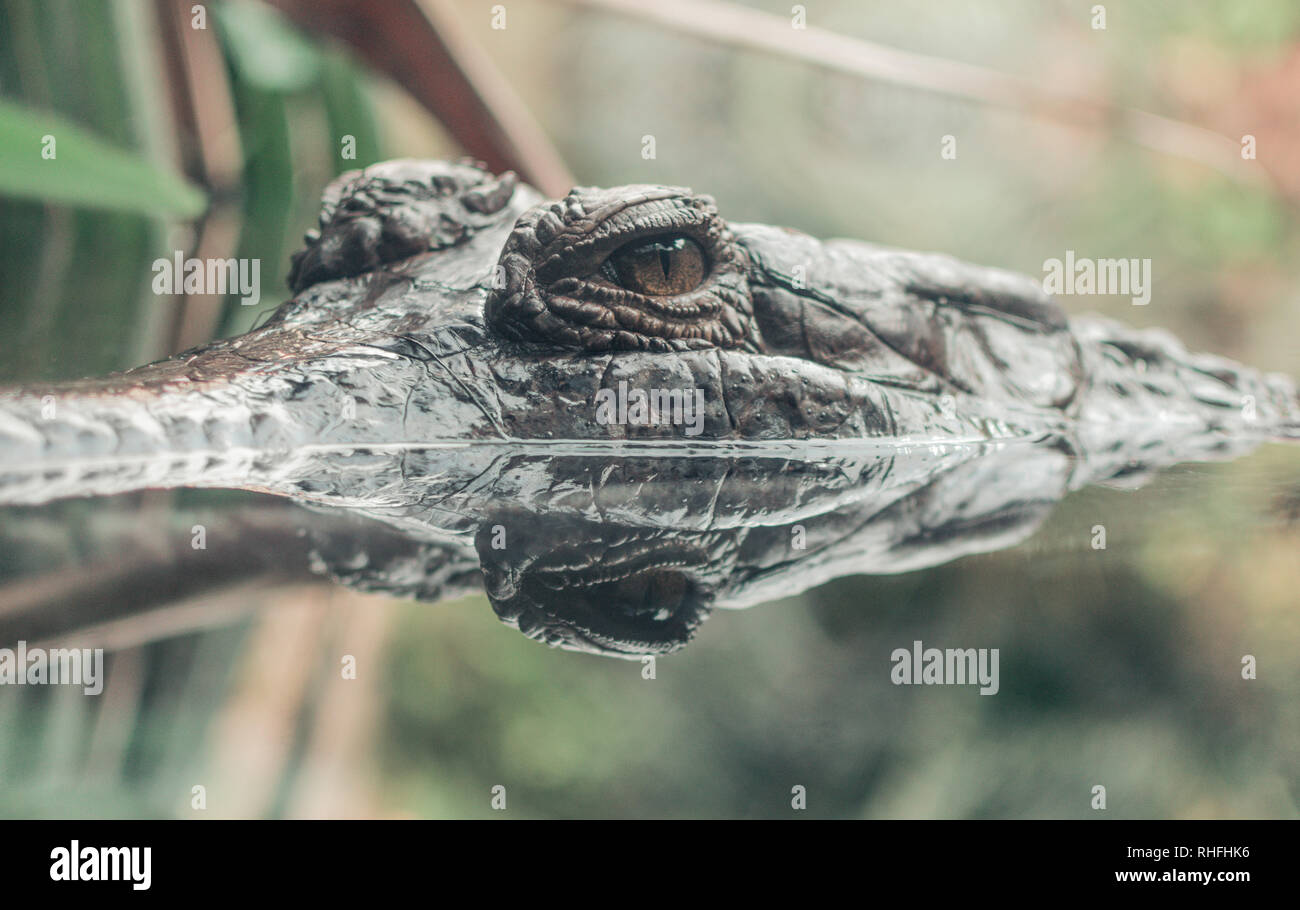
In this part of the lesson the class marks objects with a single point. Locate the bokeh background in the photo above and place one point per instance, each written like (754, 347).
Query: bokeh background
(1119, 667)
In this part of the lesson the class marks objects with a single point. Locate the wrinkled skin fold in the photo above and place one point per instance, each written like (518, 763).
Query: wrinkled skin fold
(448, 322)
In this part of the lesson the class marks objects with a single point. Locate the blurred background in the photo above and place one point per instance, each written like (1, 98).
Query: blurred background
(1119, 667)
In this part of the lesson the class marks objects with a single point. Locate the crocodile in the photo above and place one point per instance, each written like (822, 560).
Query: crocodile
(447, 364)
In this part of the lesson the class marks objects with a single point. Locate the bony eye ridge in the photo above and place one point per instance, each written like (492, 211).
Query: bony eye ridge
(657, 267)
(634, 268)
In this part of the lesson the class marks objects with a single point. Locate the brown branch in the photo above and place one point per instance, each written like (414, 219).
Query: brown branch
(204, 111)
(424, 48)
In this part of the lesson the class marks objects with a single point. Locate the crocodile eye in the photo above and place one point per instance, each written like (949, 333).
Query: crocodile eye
(661, 267)
(633, 268)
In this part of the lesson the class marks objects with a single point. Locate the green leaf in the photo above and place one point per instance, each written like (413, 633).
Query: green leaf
(84, 169)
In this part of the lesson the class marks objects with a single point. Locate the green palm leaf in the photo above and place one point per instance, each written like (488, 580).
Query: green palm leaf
(45, 157)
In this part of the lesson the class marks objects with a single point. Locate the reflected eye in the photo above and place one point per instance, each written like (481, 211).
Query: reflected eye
(661, 267)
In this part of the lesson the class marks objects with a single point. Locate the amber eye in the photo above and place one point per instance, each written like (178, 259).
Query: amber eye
(660, 267)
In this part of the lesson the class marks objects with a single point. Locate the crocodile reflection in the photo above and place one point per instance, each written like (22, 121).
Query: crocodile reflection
(629, 556)
(624, 554)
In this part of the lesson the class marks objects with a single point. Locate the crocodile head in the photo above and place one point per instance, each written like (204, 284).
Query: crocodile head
(438, 303)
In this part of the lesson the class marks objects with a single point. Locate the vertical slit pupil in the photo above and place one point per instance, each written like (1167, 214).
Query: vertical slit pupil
(681, 266)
